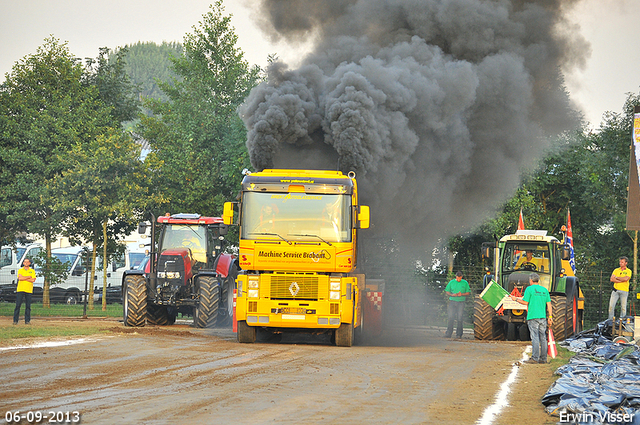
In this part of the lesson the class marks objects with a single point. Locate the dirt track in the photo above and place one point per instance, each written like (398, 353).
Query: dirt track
(179, 374)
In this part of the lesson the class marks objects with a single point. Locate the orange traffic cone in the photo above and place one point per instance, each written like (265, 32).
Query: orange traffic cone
(552, 350)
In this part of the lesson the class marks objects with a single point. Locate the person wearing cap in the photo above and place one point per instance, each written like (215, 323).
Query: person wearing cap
(457, 290)
(620, 278)
(26, 277)
(536, 298)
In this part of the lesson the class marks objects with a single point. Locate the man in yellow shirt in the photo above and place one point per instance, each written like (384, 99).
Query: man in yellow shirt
(26, 277)
(620, 278)
(527, 262)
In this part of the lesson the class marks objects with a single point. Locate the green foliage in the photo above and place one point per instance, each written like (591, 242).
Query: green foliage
(104, 181)
(108, 74)
(196, 136)
(51, 268)
(45, 108)
(148, 63)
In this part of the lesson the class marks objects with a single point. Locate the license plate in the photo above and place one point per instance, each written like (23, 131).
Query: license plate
(293, 310)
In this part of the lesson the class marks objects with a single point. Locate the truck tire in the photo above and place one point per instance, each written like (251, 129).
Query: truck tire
(72, 297)
(523, 332)
(484, 327)
(135, 301)
(246, 334)
(205, 314)
(562, 325)
(344, 335)
(512, 329)
(159, 315)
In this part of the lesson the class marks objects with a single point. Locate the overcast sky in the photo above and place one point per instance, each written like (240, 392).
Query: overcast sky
(612, 71)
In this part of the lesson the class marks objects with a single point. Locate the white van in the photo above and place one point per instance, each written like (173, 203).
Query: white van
(73, 287)
(11, 260)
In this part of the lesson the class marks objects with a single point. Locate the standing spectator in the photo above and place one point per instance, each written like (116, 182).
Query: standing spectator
(536, 297)
(26, 277)
(457, 289)
(620, 278)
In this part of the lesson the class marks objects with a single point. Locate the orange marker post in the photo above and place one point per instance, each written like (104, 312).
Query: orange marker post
(235, 323)
(552, 350)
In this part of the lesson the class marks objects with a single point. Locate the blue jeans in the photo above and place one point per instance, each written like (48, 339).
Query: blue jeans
(27, 307)
(455, 311)
(615, 295)
(538, 332)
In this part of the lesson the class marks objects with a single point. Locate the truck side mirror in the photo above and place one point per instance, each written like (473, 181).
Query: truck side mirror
(364, 217)
(487, 248)
(142, 228)
(227, 215)
(223, 229)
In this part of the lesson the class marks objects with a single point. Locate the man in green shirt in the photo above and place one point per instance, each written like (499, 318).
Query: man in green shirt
(536, 298)
(457, 289)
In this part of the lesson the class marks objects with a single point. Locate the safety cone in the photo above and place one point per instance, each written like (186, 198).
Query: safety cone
(552, 350)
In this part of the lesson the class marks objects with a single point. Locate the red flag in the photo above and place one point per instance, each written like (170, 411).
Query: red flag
(521, 221)
(552, 350)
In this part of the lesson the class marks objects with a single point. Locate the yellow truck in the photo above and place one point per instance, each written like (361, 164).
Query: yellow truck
(298, 254)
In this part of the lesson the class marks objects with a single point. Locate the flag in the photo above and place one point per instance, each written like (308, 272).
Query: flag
(569, 240)
(521, 221)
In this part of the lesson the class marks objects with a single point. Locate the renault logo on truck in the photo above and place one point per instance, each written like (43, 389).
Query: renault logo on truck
(294, 288)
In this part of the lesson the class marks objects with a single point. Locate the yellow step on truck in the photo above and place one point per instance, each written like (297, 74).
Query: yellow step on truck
(298, 254)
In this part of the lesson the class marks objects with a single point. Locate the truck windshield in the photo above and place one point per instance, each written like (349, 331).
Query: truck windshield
(186, 236)
(296, 217)
(67, 259)
(526, 257)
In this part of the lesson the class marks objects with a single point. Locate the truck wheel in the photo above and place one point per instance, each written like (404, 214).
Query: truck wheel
(135, 301)
(523, 332)
(344, 335)
(246, 334)
(483, 326)
(72, 297)
(159, 315)
(205, 314)
(562, 317)
(511, 331)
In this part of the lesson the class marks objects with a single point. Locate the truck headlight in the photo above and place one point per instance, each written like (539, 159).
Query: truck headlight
(334, 295)
(252, 293)
(253, 284)
(334, 285)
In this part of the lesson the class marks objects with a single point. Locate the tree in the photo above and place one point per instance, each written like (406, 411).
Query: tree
(197, 135)
(45, 108)
(148, 63)
(108, 75)
(103, 193)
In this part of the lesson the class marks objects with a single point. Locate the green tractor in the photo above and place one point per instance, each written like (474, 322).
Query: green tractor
(515, 257)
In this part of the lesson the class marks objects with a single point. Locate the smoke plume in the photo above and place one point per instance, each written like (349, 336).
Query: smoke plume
(438, 105)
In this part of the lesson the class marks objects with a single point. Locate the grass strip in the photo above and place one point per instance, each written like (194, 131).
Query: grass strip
(62, 310)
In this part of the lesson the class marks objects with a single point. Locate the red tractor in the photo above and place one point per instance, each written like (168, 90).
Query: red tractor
(188, 273)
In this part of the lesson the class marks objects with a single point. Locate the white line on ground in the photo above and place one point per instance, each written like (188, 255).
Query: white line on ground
(47, 344)
(491, 412)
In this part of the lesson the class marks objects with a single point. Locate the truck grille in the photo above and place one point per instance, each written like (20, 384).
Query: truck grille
(294, 287)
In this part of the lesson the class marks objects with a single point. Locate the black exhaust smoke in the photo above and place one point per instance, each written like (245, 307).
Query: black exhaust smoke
(438, 105)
